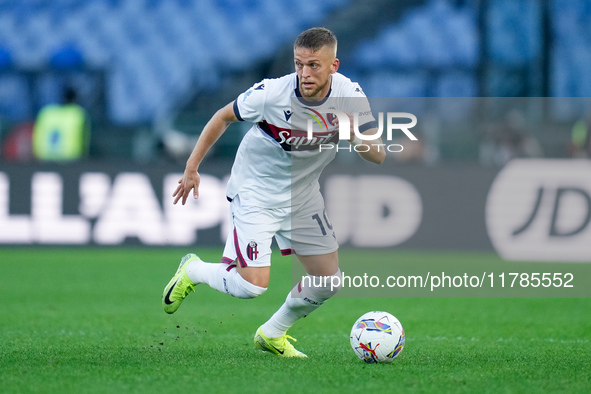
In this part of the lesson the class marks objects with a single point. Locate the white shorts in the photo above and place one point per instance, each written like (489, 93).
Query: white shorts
(304, 230)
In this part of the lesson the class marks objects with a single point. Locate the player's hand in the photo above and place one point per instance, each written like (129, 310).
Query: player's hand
(189, 181)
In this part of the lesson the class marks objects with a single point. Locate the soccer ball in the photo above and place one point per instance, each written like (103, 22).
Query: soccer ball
(377, 337)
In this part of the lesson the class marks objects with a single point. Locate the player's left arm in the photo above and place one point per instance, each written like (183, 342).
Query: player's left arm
(376, 153)
(373, 149)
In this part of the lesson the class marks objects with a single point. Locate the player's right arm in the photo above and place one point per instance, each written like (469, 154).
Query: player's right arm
(212, 131)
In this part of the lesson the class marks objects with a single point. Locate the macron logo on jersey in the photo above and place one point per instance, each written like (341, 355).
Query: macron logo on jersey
(287, 114)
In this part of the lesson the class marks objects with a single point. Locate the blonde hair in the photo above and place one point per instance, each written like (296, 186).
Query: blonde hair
(315, 38)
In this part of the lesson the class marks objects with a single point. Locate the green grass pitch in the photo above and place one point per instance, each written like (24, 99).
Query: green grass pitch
(89, 320)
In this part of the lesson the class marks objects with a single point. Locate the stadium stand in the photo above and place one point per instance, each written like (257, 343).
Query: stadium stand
(572, 48)
(156, 52)
(161, 57)
(434, 38)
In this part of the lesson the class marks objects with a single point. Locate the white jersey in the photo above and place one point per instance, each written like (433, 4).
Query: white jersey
(276, 164)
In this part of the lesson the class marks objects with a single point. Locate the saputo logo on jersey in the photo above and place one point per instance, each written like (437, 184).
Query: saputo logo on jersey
(541, 210)
(364, 141)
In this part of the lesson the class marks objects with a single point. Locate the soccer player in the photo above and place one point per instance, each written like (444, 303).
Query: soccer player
(273, 188)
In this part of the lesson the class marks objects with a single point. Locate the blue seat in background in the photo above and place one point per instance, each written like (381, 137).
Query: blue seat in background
(67, 57)
(179, 42)
(211, 38)
(5, 58)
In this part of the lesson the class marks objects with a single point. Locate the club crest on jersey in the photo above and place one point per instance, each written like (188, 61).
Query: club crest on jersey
(252, 250)
(332, 119)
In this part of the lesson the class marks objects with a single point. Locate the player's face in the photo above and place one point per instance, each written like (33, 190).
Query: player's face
(314, 69)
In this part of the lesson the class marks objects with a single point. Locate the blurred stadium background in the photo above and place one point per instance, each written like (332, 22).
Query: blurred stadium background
(501, 91)
(145, 67)
(489, 80)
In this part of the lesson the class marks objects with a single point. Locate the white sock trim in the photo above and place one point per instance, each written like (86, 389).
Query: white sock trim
(249, 289)
(298, 305)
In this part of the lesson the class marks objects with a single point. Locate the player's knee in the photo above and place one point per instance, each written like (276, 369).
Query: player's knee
(324, 287)
(249, 290)
(257, 276)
